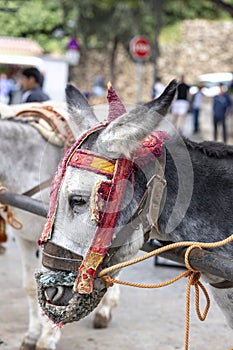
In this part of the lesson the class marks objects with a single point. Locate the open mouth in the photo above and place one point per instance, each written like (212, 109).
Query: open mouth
(58, 300)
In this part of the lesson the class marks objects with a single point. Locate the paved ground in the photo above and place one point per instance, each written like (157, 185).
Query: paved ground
(145, 319)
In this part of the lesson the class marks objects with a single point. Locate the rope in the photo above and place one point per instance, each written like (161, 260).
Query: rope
(192, 274)
(164, 249)
(10, 218)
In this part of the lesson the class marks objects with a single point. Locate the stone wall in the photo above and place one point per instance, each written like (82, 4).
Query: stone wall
(206, 46)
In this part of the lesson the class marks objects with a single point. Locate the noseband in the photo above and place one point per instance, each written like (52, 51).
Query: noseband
(108, 198)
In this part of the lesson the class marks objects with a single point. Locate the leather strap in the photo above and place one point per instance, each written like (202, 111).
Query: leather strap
(158, 185)
(54, 119)
(38, 188)
(222, 285)
(63, 260)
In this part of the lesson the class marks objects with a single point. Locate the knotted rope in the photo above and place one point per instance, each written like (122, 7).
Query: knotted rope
(192, 274)
(10, 218)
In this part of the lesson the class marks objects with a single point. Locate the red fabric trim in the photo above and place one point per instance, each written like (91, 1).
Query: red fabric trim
(57, 182)
(150, 148)
(83, 159)
(106, 227)
(116, 107)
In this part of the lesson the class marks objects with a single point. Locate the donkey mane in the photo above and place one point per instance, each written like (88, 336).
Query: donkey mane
(211, 149)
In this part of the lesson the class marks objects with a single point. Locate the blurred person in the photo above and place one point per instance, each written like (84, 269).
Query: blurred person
(87, 94)
(99, 86)
(196, 102)
(31, 84)
(6, 87)
(180, 106)
(158, 88)
(230, 91)
(221, 107)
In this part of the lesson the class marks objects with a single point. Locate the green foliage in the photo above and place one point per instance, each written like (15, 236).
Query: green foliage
(189, 9)
(98, 23)
(35, 19)
(171, 34)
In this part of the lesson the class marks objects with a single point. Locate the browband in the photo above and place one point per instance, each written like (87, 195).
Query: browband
(90, 161)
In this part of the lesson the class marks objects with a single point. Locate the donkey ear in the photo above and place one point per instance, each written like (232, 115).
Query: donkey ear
(123, 135)
(81, 115)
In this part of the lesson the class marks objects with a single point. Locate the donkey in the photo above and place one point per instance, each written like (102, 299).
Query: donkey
(28, 159)
(102, 204)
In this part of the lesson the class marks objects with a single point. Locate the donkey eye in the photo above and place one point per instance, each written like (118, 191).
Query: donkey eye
(77, 201)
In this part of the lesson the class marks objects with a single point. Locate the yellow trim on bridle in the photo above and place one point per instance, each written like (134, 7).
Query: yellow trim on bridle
(102, 165)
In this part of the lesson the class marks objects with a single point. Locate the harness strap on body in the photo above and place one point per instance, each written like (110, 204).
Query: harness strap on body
(222, 285)
(158, 184)
(50, 123)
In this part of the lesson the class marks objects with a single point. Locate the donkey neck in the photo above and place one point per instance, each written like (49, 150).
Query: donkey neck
(199, 199)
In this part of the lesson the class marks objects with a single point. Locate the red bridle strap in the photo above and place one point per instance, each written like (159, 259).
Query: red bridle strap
(90, 161)
(105, 230)
(57, 183)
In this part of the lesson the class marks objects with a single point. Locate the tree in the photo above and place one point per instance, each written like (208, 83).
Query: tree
(101, 24)
(226, 6)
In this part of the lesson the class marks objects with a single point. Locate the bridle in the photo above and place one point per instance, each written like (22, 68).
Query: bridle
(108, 200)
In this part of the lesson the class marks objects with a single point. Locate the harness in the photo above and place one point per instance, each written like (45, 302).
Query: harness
(106, 201)
(50, 123)
(53, 126)
(104, 196)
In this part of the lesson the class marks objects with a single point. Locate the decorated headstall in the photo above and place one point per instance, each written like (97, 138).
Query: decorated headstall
(108, 195)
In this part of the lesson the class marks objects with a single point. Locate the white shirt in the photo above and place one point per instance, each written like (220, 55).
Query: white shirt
(158, 89)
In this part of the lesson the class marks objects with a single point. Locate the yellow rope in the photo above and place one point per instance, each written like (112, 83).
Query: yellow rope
(193, 276)
(10, 218)
(164, 249)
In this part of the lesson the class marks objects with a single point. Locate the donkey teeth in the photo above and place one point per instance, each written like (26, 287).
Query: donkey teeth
(56, 294)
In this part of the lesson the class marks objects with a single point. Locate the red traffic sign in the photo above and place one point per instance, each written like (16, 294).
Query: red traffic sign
(140, 48)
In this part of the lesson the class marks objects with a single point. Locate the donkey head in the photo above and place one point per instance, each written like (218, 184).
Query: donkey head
(94, 200)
